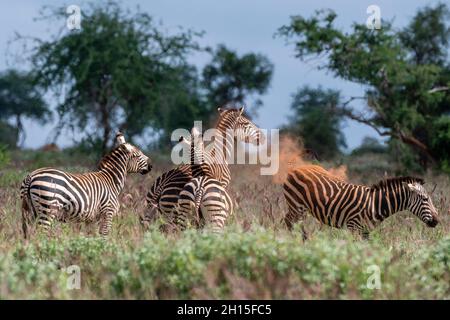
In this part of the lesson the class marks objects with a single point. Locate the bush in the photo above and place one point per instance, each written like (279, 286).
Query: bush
(255, 264)
(5, 157)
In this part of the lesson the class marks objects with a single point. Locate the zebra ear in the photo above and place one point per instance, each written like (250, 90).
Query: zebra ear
(220, 109)
(120, 139)
(413, 187)
(195, 132)
(197, 137)
(184, 141)
(128, 147)
(241, 110)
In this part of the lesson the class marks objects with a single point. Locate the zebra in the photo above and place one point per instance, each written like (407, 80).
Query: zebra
(336, 203)
(203, 199)
(48, 194)
(164, 193)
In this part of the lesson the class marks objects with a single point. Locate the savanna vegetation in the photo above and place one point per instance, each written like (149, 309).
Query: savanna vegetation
(140, 81)
(256, 257)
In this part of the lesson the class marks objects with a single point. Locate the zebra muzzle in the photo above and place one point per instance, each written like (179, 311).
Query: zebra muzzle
(147, 170)
(432, 223)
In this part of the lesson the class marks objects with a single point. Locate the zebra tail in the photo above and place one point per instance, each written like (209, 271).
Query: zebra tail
(197, 203)
(28, 211)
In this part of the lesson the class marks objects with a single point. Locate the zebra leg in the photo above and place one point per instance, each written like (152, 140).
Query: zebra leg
(216, 213)
(183, 213)
(187, 210)
(218, 222)
(356, 228)
(216, 218)
(150, 215)
(46, 218)
(106, 221)
(295, 213)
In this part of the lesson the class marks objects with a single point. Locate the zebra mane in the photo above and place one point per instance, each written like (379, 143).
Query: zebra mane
(389, 181)
(226, 114)
(111, 156)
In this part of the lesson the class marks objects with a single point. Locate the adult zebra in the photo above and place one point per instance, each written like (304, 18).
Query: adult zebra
(164, 192)
(337, 203)
(203, 200)
(48, 194)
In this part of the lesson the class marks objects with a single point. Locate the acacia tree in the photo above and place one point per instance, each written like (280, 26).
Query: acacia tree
(19, 99)
(229, 79)
(119, 71)
(405, 72)
(315, 121)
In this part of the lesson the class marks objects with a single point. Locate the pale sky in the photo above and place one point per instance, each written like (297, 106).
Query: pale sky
(242, 25)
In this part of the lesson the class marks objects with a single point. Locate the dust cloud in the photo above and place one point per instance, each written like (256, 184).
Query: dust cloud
(293, 154)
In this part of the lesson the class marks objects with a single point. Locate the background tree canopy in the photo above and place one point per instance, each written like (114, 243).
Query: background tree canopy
(120, 71)
(315, 121)
(19, 98)
(229, 78)
(405, 72)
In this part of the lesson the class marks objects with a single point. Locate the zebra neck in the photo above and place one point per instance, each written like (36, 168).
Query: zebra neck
(114, 168)
(387, 201)
(224, 140)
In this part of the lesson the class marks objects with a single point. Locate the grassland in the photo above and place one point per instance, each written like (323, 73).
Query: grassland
(256, 257)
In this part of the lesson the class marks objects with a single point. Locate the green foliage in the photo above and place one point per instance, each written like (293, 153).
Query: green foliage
(160, 267)
(404, 72)
(369, 145)
(315, 122)
(400, 153)
(182, 104)
(11, 178)
(416, 36)
(9, 135)
(120, 71)
(229, 78)
(5, 157)
(255, 257)
(19, 98)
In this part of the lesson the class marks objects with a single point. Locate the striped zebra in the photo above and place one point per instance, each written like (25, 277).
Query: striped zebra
(203, 200)
(165, 191)
(337, 203)
(49, 194)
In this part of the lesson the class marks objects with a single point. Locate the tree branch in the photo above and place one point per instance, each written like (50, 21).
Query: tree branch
(438, 89)
(395, 133)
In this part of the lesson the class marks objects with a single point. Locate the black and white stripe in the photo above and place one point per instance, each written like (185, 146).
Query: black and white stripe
(334, 202)
(49, 194)
(203, 200)
(164, 193)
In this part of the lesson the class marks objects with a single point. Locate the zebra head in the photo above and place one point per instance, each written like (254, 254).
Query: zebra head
(138, 162)
(244, 129)
(421, 205)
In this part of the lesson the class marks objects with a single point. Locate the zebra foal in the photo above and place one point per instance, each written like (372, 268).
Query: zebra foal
(49, 194)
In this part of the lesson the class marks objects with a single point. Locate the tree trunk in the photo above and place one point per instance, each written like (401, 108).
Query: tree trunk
(20, 130)
(105, 123)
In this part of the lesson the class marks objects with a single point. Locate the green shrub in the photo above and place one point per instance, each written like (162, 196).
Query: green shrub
(276, 265)
(5, 156)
